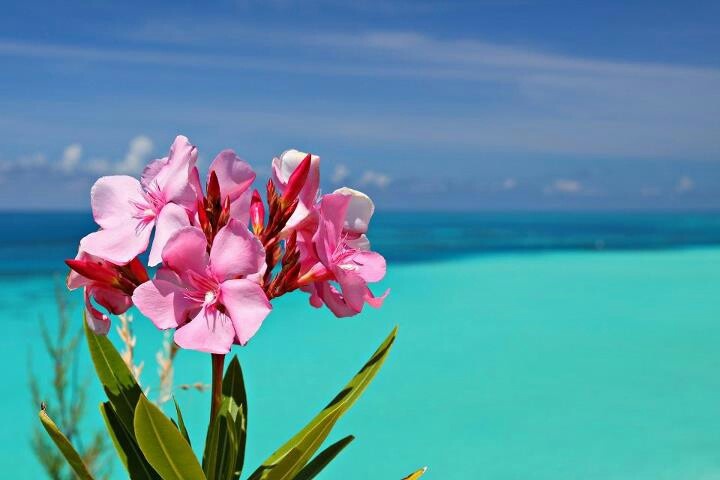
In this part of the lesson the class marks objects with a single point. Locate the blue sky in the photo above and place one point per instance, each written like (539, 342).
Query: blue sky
(445, 105)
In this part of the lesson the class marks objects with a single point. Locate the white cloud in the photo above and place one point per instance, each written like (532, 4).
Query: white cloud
(28, 162)
(374, 179)
(340, 173)
(99, 166)
(564, 186)
(138, 151)
(556, 103)
(509, 184)
(71, 157)
(685, 184)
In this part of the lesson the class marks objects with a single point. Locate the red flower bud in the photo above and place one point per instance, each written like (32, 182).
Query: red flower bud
(137, 270)
(213, 190)
(94, 271)
(257, 212)
(297, 180)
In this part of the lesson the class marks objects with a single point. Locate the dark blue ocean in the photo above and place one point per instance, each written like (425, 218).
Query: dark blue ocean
(38, 242)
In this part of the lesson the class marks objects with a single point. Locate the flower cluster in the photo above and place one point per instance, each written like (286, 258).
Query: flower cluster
(221, 252)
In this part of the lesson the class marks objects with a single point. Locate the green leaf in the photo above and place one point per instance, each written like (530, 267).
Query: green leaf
(128, 450)
(228, 440)
(181, 422)
(415, 475)
(233, 390)
(287, 461)
(163, 445)
(317, 464)
(65, 447)
(221, 449)
(119, 383)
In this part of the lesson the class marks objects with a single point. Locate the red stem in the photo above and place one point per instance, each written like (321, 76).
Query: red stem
(218, 363)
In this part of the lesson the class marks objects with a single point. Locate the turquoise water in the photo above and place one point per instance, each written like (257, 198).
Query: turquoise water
(566, 365)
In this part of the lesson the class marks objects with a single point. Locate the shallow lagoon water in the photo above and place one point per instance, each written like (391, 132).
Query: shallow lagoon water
(593, 365)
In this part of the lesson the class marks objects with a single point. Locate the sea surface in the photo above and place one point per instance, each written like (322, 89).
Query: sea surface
(531, 346)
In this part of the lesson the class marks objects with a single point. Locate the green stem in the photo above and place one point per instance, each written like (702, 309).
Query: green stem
(218, 363)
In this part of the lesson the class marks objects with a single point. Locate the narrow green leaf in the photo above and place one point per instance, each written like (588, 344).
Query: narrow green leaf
(163, 445)
(65, 447)
(417, 474)
(181, 422)
(227, 440)
(221, 448)
(128, 450)
(233, 390)
(287, 461)
(322, 459)
(119, 383)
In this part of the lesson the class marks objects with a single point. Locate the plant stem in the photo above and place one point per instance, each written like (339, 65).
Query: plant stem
(218, 363)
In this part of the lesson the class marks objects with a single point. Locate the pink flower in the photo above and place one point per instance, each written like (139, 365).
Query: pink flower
(127, 210)
(111, 286)
(283, 168)
(214, 300)
(340, 253)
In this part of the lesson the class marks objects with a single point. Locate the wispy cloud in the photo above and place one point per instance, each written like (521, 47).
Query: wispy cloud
(374, 179)
(340, 173)
(139, 150)
(509, 184)
(71, 157)
(555, 103)
(564, 186)
(685, 184)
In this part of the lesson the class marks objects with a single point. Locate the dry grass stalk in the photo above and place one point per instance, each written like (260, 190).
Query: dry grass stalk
(129, 340)
(65, 403)
(165, 358)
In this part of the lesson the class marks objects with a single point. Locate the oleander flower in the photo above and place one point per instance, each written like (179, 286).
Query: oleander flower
(282, 168)
(127, 210)
(213, 299)
(340, 253)
(110, 286)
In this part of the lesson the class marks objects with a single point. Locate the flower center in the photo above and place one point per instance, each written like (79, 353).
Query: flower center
(209, 297)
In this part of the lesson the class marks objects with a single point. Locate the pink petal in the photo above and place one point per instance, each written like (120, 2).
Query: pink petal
(359, 211)
(334, 300)
(210, 331)
(236, 252)
(186, 250)
(163, 302)
(173, 179)
(247, 306)
(151, 170)
(353, 288)
(97, 321)
(329, 232)
(371, 266)
(195, 185)
(373, 301)
(164, 273)
(171, 219)
(113, 200)
(115, 301)
(120, 244)
(361, 242)
(234, 177)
